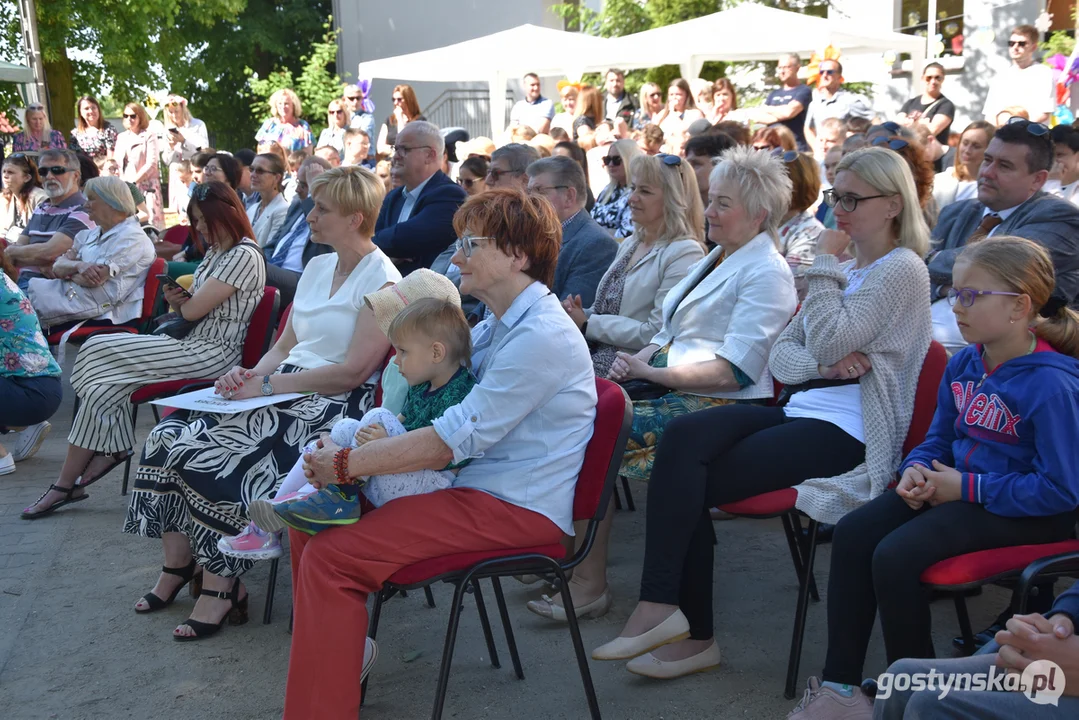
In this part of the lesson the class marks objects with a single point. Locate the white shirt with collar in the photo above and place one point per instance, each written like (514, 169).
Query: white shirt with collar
(528, 421)
(1003, 214)
(411, 196)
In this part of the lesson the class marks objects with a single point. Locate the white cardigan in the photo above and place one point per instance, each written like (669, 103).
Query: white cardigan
(269, 221)
(735, 312)
(648, 281)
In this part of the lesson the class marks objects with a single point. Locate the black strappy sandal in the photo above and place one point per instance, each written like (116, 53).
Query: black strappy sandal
(237, 615)
(118, 459)
(68, 500)
(188, 574)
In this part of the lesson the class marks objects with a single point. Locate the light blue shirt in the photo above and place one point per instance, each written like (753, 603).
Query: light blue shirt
(528, 421)
(411, 196)
(366, 122)
(293, 251)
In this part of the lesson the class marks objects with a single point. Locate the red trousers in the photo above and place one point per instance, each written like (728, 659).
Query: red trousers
(334, 572)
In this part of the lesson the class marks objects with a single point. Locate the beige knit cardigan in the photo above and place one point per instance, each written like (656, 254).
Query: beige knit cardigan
(888, 319)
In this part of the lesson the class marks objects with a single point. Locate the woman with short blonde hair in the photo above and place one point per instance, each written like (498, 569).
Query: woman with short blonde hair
(137, 155)
(286, 125)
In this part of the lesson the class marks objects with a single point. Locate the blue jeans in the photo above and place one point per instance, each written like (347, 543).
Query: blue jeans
(28, 400)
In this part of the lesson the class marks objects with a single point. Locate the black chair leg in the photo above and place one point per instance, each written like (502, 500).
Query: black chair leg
(447, 649)
(271, 586)
(792, 528)
(157, 414)
(617, 497)
(510, 640)
(578, 648)
(629, 495)
(430, 597)
(964, 624)
(801, 611)
(127, 463)
(485, 623)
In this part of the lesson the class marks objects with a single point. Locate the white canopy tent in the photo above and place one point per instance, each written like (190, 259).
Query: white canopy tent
(494, 59)
(746, 32)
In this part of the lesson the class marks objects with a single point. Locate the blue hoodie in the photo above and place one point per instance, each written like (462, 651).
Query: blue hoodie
(1010, 432)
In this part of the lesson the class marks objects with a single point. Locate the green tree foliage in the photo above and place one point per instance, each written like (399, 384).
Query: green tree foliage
(316, 85)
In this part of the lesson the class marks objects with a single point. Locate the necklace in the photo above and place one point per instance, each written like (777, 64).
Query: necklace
(1030, 351)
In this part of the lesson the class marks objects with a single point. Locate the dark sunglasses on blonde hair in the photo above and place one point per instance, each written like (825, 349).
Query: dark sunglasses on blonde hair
(612, 161)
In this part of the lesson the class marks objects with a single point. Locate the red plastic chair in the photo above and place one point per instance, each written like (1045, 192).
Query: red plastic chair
(139, 324)
(803, 547)
(255, 346)
(175, 237)
(614, 417)
(960, 576)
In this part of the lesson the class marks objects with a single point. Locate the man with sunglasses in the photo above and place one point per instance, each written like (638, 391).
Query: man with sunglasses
(359, 118)
(832, 101)
(787, 104)
(1026, 84)
(52, 228)
(415, 223)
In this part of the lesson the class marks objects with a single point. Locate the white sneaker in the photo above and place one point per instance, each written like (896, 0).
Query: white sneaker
(26, 442)
(7, 464)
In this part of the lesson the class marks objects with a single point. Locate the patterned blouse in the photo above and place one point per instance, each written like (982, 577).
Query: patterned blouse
(798, 244)
(24, 142)
(92, 142)
(612, 212)
(23, 347)
(289, 137)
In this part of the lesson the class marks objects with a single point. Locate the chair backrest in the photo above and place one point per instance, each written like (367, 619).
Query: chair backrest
(151, 289)
(260, 328)
(925, 397)
(603, 456)
(177, 234)
(281, 322)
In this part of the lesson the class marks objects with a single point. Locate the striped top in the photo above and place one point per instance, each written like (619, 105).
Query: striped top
(69, 217)
(243, 267)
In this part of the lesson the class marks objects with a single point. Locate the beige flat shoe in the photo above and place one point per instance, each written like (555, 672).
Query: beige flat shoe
(548, 609)
(651, 666)
(673, 629)
(370, 655)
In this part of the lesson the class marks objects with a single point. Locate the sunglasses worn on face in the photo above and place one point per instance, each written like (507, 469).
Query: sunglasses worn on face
(495, 175)
(354, 98)
(398, 100)
(612, 161)
(1017, 43)
(129, 117)
(967, 296)
(260, 171)
(931, 78)
(467, 182)
(829, 72)
(56, 170)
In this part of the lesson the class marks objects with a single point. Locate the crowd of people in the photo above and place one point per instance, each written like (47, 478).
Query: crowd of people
(691, 250)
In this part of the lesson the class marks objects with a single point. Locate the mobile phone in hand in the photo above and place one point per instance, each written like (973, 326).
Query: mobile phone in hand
(173, 284)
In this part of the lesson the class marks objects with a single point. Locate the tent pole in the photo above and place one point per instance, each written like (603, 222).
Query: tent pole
(497, 101)
(32, 43)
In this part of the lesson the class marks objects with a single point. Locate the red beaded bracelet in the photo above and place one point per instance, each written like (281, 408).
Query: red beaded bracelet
(340, 466)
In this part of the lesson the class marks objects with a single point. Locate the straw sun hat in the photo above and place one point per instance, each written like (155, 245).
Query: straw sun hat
(422, 283)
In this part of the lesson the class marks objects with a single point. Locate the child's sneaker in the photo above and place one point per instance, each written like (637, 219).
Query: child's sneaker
(274, 516)
(252, 544)
(331, 506)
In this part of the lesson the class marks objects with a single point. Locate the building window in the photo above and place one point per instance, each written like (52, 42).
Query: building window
(914, 20)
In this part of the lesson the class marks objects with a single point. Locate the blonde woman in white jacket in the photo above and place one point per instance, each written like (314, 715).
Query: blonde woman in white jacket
(716, 328)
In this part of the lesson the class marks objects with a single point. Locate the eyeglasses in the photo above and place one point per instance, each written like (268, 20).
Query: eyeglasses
(847, 202)
(467, 182)
(612, 161)
(466, 243)
(829, 73)
(967, 296)
(130, 116)
(259, 171)
(1017, 43)
(787, 156)
(895, 144)
(211, 170)
(545, 188)
(494, 175)
(1036, 129)
(669, 160)
(56, 170)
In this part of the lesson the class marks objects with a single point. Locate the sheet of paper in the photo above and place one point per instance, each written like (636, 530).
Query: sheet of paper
(207, 400)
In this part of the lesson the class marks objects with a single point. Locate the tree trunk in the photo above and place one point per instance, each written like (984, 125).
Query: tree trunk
(60, 80)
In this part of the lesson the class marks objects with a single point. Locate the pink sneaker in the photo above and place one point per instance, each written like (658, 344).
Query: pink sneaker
(291, 496)
(823, 703)
(252, 544)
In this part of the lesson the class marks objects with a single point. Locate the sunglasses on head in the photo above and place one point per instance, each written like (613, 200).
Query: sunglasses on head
(1036, 129)
(56, 170)
(612, 161)
(787, 156)
(895, 143)
(669, 160)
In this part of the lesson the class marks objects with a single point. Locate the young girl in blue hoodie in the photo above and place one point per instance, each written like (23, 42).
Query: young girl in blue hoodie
(999, 467)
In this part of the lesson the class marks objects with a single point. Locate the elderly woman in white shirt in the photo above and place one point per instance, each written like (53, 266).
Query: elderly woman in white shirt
(103, 274)
(267, 178)
(518, 490)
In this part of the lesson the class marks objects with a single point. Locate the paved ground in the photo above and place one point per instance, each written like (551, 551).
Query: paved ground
(71, 646)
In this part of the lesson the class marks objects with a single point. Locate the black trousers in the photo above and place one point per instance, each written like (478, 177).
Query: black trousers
(879, 552)
(718, 456)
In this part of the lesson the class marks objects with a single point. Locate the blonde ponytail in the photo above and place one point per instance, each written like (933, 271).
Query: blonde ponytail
(1060, 329)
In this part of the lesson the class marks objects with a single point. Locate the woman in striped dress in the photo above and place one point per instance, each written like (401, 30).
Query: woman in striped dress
(200, 471)
(228, 286)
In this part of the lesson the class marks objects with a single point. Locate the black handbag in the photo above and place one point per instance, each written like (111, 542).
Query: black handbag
(174, 325)
(639, 389)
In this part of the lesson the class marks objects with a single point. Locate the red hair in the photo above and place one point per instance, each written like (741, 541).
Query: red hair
(224, 213)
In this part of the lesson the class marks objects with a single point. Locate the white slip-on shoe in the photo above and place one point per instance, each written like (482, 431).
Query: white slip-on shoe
(673, 629)
(370, 655)
(7, 464)
(650, 666)
(28, 441)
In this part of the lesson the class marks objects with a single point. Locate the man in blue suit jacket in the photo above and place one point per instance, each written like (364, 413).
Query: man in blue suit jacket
(415, 223)
(290, 249)
(587, 249)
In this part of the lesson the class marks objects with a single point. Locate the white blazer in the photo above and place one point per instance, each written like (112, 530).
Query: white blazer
(267, 223)
(734, 312)
(648, 281)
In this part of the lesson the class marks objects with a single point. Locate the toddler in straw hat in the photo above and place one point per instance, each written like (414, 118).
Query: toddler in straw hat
(422, 318)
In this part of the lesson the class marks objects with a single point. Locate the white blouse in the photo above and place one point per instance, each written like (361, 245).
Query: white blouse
(324, 324)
